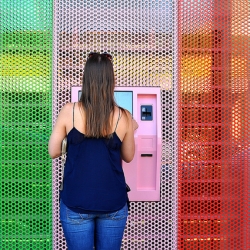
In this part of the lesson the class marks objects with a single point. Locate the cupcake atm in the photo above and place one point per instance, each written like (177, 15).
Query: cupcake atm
(143, 172)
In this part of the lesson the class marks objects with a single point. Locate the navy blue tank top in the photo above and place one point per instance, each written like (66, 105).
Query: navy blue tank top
(94, 181)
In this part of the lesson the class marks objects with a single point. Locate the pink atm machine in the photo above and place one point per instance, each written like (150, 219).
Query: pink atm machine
(143, 172)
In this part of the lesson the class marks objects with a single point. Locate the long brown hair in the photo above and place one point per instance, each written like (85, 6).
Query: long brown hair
(98, 95)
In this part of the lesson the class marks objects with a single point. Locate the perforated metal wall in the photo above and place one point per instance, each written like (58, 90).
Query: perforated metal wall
(197, 51)
(140, 36)
(214, 147)
(25, 108)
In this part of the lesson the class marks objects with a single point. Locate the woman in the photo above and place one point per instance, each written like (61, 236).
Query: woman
(93, 202)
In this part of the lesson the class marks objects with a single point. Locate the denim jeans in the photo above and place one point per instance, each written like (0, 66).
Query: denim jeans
(86, 231)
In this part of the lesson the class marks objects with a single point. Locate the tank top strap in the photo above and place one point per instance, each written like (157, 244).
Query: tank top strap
(117, 120)
(74, 114)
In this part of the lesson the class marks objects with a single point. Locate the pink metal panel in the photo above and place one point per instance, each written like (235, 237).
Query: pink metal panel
(147, 164)
(141, 36)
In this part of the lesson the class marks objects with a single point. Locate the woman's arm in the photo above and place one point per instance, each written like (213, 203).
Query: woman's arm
(128, 143)
(59, 132)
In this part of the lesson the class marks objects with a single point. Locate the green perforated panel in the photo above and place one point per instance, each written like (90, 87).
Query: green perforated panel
(25, 106)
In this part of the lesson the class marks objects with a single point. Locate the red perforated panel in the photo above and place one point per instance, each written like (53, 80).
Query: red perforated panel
(214, 134)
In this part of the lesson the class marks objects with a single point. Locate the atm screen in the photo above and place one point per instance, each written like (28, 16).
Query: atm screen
(123, 99)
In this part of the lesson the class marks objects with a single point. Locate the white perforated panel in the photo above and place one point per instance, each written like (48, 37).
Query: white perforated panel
(141, 37)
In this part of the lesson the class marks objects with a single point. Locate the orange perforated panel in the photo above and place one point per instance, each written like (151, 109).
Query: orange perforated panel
(214, 147)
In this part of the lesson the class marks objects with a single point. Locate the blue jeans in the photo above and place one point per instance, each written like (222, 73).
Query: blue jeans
(86, 231)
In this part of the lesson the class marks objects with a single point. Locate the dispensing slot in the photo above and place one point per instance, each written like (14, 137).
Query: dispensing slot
(146, 155)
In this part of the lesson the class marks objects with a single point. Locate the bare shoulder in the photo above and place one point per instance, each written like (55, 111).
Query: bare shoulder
(124, 122)
(65, 112)
(125, 114)
(67, 107)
